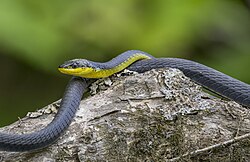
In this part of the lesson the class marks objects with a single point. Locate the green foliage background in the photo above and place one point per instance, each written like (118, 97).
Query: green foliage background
(37, 36)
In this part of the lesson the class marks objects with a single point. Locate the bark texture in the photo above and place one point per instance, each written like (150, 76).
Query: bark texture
(157, 116)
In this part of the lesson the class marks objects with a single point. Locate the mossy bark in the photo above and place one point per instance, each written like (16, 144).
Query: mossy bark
(160, 115)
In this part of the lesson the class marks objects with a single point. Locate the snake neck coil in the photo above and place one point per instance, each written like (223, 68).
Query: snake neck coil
(90, 69)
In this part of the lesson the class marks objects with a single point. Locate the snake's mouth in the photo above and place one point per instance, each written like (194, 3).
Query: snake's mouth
(76, 71)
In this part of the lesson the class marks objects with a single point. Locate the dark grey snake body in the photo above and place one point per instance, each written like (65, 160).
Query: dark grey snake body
(201, 74)
(207, 77)
(40, 139)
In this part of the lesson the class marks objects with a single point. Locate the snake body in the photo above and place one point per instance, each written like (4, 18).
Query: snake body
(207, 77)
(201, 74)
(44, 137)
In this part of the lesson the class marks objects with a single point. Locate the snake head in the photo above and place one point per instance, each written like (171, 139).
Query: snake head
(77, 67)
(76, 63)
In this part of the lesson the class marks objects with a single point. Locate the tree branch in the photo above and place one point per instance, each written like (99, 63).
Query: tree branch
(156, 116)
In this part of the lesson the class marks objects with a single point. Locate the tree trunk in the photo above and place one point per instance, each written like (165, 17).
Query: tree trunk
(157, 116)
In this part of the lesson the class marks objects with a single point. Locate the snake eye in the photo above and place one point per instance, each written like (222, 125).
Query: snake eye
(74, 65)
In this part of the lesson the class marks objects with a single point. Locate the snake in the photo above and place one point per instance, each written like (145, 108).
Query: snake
(85, 72)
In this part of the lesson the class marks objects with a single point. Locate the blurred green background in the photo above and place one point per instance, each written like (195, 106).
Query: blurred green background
(37, 36)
